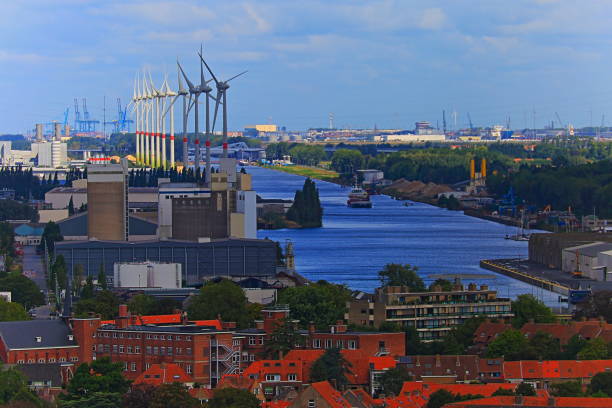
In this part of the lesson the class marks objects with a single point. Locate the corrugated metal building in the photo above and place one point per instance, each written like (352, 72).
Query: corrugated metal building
(200, 261)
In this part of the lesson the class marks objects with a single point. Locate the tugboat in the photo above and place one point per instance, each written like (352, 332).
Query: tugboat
(359, 198)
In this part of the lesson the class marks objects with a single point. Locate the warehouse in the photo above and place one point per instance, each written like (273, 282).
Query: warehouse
(199, 261)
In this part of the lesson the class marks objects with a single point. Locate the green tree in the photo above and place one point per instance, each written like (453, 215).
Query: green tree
(567, 389)
(503, 392)
(392, 380)
(51, 235)
(104, 303)
(92, 400)
(77, 279)
(461, 337)
(102, 278)
(70, 207)
(23, 289)
(510, 344)
(528, 307)
(347, 161)
(11, 311)
(88, 289)
(332, 367)
(223, 298)
(58, 269)
(142, 304)
(283, 339)
(101, 376)
(545, 346)
(573, 347)
(322, 303)
(401, 275)
(172, 396)
(440, 398)
(139, 396)
(306, 209)
(525, 389)
(601, 383)
(444, 284)
(233, 398)
(14, 387)
(594, 349)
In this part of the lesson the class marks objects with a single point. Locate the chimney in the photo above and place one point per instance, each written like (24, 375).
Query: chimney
(123, 311)
(58, 132)
(39, 132)
(311, 328)
(123, 321)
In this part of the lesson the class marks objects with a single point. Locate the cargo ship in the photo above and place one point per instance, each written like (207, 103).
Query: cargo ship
(359, 198)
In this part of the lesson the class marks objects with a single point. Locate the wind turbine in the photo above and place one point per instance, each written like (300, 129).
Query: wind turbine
(147, 122)
(195, 91)
(168, 93)
(157, 95)
(136, 102)
(222, 87)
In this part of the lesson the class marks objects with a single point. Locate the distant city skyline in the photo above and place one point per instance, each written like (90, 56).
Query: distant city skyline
(372, 63)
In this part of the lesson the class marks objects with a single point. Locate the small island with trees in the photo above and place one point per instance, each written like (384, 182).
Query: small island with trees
(305, 212)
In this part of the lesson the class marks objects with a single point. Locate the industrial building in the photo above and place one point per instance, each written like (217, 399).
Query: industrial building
(432, 313)
(200, 261)
(107, 198)
(592, 260)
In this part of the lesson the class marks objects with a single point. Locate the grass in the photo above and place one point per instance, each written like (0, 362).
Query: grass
(306, 171)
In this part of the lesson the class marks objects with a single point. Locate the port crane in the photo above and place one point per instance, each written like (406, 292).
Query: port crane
(470, 120)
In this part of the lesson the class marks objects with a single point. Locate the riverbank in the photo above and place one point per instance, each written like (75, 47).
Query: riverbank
(307, 171)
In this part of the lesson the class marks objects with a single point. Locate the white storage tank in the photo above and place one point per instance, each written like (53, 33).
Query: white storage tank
(147, 275)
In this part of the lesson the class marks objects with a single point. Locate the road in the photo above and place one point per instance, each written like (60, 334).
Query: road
(33, 269)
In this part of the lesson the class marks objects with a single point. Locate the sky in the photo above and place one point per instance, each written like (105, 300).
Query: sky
(384, 63)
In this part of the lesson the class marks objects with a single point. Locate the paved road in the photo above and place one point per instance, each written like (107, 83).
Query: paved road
(33, 269)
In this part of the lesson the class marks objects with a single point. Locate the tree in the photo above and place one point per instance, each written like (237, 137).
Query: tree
(102, 376)
(221, 298)
(58, 270)
(11, 311)
(594, 349)
(283, 339)
(70, 207)
(510, 344)
(92, 400)
(173, 395)
(50, 236)
(401, 275)
(528, 307)
(567, 389)
(88, 289)
(347, 162)
(331, 366)
(503, 392)
(306, 209)
(392, 380)
(143, 304)
(440, 398)
(14, 387)
(104, 303)
(444, 285)
(139, 396)
(102, 278)
(601, 383)
(77, 279)
(322, 303)
(460, 337)
(23, 289)
(596, 305)
(545, 346)
(525, 389)
(573, 347)
(233, 398)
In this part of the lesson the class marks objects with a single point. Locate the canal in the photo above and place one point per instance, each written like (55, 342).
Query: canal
(354, 244)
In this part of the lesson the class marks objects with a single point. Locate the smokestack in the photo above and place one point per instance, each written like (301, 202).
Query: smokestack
(58, 132)
(39, 132)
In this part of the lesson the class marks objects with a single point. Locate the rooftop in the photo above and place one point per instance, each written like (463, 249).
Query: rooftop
(30, 334)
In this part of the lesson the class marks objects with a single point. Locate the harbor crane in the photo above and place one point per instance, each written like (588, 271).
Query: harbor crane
(470, 120)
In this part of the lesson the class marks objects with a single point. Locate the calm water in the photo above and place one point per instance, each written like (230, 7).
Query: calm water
(354, 244)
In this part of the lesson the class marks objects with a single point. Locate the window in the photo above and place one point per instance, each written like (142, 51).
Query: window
(129, 349)
(188, 369)
(115, 348)
(292, 377)
(121, 348)
(169, 337)
(125, 366)
(155, 337)
(252, 341)
(179, 350)
(41, 360)
(62, 359)
(30, 361)
(74, 358)
(169, 351)
(52, 360)
(352, 344)
(328, 343)
(114, 335)
(162, 351)
(236, 342)
(272, 377)
(19, 361)
(340, 344)
(107, 348)
(178, 337)
(120, 335)
(316, 343)
(148, 349)
(137, 350)
(162, 338)
(155, 350)
(147, 366)
(188, 338)
(133, 366)
(261, 340)
(188, 351)
(252, 357)
(312, 404)
(148, 336)
(138, 336)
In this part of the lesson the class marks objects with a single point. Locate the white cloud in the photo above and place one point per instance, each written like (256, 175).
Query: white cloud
(432, 19)
(175, 13)
(180, 36)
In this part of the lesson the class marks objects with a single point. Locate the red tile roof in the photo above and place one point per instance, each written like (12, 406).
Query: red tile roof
(487, 331)
(563, 369)
(382, 363)
(259, 369)
(215, 323)
(332, 396)
(159, 319)
(424, 388)
(588, 329)
(235, 381)
(508, 401)
(159, 374)
(276, 404)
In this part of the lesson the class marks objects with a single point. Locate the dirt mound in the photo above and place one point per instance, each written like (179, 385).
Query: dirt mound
(415, 189)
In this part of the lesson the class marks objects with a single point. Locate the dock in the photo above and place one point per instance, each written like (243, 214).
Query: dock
(507, 267)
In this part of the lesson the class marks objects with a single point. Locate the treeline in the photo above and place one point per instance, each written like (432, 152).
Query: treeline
(300, 153)
(26, 184)
(583, 188)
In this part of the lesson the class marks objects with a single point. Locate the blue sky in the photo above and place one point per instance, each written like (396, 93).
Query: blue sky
(386, 63)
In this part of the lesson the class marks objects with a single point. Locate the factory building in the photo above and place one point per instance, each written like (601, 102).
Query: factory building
(200, 261)
(107, 198)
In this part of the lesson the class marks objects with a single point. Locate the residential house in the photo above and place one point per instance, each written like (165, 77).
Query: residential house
(533, 402)
(164, 373)
(453, 368)
(543, 373)
(323, 395)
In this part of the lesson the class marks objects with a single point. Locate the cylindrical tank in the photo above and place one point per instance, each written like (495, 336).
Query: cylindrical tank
(39, 132)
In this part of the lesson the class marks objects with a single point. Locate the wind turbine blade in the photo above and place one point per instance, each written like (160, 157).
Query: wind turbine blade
(189, 84)
(170, 105)
(202, 79)
(209, 70)
(216, 110)
(180, 81)
(236, 76)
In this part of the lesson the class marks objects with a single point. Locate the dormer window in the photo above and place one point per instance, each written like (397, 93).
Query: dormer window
(38, 339)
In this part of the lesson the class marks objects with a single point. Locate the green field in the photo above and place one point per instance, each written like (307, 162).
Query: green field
(312, 172)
